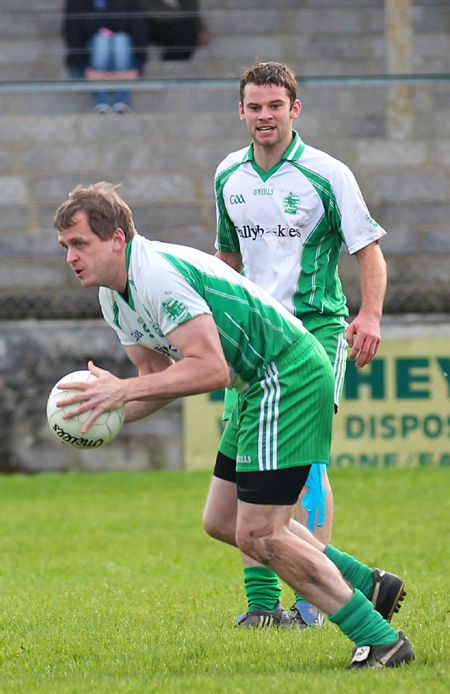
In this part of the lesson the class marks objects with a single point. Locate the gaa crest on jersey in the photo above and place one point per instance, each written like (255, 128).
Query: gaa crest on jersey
(237, 199)
(291, 203)
(176, 311)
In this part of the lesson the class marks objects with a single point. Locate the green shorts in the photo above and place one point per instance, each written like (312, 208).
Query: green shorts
(285, 419)
(331, 334)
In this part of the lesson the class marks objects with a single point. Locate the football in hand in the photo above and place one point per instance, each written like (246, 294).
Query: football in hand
(103, 430)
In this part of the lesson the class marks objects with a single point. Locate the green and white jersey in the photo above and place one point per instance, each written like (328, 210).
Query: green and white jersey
(170, 284)
(289, 224)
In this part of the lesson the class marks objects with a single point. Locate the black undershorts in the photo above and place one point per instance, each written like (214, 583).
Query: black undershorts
(268, 487)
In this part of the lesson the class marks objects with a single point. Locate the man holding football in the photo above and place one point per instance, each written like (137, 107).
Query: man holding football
(192, 325)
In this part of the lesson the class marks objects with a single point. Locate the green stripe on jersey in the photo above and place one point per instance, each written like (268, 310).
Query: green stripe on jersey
(252, 331)
(225, 226)
(319, 279)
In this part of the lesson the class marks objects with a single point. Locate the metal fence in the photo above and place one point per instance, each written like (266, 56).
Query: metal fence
(393, 130)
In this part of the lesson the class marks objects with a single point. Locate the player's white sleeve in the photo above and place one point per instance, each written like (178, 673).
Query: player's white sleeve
(171, 298)
(226, 236)
(357, 226)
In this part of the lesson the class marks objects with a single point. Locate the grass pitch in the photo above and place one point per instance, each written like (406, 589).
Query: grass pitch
(108, 585)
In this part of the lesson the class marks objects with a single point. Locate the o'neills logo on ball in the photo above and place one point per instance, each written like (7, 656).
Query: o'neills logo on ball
(76, 440)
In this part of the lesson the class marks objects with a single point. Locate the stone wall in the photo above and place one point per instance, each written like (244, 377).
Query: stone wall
(165, 160)
(165, 153)
(34, 355)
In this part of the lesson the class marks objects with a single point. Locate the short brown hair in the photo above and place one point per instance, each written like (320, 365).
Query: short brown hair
(105, 211)
(270, 73)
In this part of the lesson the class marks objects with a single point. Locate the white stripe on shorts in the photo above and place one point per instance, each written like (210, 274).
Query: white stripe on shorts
(340, 362)
(268, 420)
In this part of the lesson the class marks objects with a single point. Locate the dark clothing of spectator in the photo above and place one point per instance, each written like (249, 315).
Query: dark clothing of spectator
(84, 18)
(176, 26)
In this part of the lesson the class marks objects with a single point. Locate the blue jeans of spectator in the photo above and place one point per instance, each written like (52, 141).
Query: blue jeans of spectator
(111, 53)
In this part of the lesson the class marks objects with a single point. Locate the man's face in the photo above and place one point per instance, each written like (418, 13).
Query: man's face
(268, 113)
(96, 263)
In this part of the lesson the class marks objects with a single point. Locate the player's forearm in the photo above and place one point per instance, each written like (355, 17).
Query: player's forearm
(372, 297)
(190, 376)
(373, 281)
(136, 410)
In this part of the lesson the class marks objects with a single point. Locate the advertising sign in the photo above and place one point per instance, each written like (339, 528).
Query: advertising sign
(394, 412)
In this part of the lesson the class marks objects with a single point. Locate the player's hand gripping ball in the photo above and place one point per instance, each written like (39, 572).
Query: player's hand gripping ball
(103, 430)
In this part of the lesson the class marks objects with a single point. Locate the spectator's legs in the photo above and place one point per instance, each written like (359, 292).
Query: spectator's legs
(100, 59)
(122, 59)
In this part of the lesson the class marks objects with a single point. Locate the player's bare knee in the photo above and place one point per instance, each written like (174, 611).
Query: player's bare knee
(210, 526)
(252, 547)
(255, 544)
(218, 530)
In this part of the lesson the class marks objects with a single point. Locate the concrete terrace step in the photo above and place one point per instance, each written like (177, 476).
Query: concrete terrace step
(316, 37)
